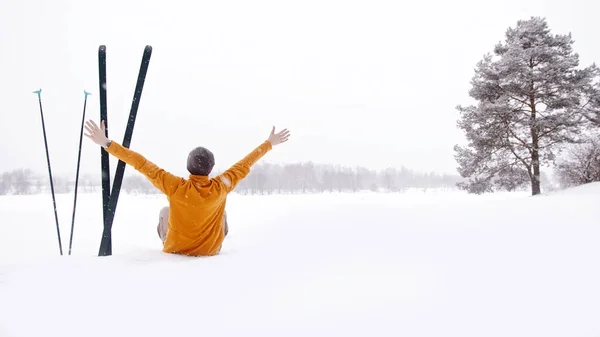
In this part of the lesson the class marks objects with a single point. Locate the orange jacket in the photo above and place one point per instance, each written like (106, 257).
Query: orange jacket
(197, 204)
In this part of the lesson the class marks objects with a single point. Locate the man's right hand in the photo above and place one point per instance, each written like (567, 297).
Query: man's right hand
(278, 138)
(97, 134)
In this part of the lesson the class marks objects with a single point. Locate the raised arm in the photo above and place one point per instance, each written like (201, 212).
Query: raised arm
(231, 177)
(161, 179)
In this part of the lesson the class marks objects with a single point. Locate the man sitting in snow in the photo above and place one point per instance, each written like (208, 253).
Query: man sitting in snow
(195, 222)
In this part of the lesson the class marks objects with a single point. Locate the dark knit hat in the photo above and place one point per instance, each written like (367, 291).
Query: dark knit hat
(200, 161)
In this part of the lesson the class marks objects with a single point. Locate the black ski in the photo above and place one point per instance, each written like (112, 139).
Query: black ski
(106, 243)
(105, 163)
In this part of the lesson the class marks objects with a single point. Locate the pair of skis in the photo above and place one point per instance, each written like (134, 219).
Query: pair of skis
(110, 198)
(39, 94)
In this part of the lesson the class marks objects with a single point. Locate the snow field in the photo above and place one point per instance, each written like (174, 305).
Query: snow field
(435, 263)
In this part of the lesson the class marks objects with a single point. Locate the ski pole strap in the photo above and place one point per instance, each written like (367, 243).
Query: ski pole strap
(86, 93)
(39, 93)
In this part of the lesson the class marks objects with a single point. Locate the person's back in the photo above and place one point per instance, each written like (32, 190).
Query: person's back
(195, 217)
(197, 205)
(196, 223)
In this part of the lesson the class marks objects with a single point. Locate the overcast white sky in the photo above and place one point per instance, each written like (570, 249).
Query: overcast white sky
(371, 83)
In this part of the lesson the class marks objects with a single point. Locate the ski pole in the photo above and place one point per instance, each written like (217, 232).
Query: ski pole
(77, 172)
(39, 94)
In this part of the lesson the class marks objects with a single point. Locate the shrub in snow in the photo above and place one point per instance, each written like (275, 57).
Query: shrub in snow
(582, 164)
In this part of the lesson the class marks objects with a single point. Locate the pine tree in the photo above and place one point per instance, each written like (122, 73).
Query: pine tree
(592, 112)
(531, 99)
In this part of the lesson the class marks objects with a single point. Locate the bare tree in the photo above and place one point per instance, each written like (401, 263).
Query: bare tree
(21, 181)
(388, 179)
(62, 185)
(5, 183)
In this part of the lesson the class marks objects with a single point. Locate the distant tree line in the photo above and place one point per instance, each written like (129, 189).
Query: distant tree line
(580, 165)
(264, 178)
(25, 181)
(313, 178)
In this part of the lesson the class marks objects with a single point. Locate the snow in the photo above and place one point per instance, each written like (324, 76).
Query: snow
(420, 263)
(225, 180)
